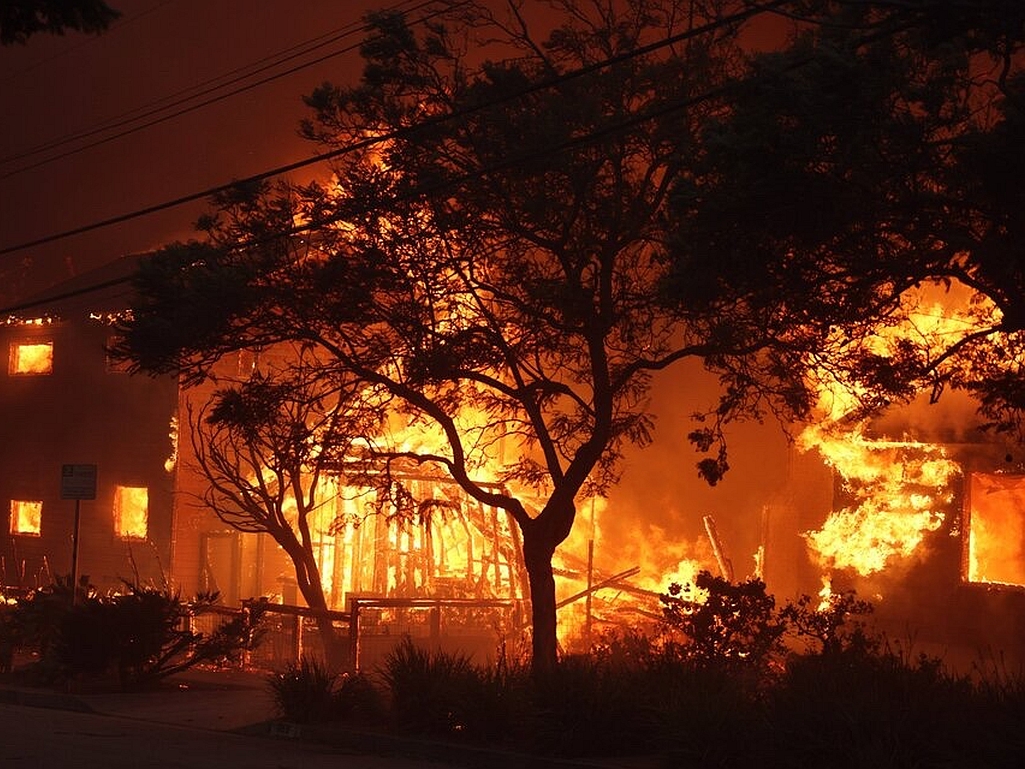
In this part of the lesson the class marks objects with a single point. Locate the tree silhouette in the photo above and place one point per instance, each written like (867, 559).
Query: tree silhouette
(510, 248)
(20, 19)
(264, 442)
(879, 152)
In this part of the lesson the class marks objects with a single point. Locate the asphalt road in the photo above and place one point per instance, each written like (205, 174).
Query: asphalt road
(41, 738)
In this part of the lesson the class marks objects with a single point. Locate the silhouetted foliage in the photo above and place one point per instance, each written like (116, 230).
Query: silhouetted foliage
(429, 690)
(303, 691)
(532, 238)
(730, 625)
(830, 626)
(20, 19)
(135, 638)
(875, 153)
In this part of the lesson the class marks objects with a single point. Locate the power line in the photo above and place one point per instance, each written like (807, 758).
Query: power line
(408, 130)
(511, 161)
(165, 102)
(349, 31)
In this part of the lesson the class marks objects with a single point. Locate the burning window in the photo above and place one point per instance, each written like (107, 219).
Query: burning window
(30, 358)
(996, 529)
(131, 512)
(26, 517)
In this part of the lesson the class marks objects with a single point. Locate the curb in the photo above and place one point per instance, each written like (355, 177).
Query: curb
(37, 698)
(471, 756)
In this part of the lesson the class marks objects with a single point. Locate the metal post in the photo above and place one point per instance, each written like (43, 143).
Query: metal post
(354, 631)
(74, 551)
(435, 621)
(297, 638)
(590, 582)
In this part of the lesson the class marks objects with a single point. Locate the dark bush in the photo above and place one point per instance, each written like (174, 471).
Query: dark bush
(719, 689)
(430, 690)
(304, 692)
(135, 638)
(588, 706)
(735, 627)
(358, 700)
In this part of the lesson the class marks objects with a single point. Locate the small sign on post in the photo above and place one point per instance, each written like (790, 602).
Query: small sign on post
(78, 482)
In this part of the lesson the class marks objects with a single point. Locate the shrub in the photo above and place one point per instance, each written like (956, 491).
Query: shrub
(430, 690)
(592, 706)
(357, 699)
(875, 707)
(304, 692)
(833, 628)
(709, 716)
(735, 628)
(9, 635)
(137, 637)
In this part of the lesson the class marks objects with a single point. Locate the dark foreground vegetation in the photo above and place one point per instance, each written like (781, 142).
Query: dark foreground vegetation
(727, 679)
(77, 637)
(732, 682)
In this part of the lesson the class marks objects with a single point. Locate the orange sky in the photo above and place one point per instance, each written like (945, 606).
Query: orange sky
(55, 87)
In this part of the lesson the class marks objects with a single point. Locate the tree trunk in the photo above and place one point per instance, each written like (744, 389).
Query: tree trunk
(537, 557)
(308, 574)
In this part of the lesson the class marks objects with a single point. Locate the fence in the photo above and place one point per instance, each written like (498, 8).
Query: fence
(374, 626)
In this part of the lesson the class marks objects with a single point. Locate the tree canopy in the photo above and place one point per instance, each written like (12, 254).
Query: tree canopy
(524, 225)
(879, 152)
(21, 19)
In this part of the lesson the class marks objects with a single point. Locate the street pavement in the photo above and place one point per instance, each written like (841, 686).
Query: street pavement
(45, 738)
(213, 719)
(198, 720)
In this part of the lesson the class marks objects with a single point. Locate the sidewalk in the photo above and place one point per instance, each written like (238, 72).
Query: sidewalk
(221, 700)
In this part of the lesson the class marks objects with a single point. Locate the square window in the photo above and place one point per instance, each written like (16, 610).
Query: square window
(30, 358)
(26, 517)
(996, 529)
(131, 512)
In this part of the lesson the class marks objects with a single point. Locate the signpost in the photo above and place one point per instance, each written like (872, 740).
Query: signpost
(78, 482)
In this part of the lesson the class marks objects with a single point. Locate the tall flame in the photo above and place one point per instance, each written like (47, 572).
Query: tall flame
(896, 491)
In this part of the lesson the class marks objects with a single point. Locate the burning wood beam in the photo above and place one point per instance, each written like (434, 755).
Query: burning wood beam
(725, 565)
(598, 586)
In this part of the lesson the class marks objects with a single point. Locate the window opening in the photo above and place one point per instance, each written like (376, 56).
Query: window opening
(30, 358)
(996, 529)
(131, 512)
(26, 517)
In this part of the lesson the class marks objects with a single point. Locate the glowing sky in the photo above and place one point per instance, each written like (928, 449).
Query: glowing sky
(56, 87)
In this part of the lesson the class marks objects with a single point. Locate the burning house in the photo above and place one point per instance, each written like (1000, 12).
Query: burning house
(917, 511)
(65, 402)
(922, 520)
